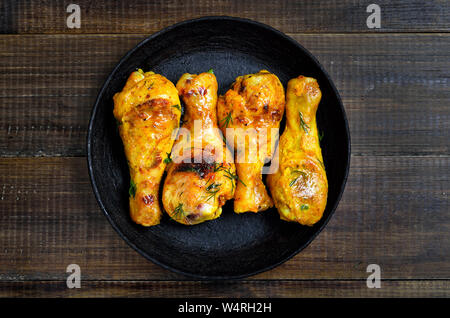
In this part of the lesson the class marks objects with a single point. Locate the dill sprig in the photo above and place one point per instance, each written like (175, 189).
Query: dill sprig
(303, 124)
(321, 134)
(233, 176)
(293, 181)
(168, 159)
(321, 163)
(132, 189)
(229, 174)
(178, 213)
(226, 121)
(218, 167)
(177, 107)
(212, 190)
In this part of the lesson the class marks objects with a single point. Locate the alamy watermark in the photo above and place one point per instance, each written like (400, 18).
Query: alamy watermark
(374, 279)
(74, 18)
(74, 279)
(374, 19)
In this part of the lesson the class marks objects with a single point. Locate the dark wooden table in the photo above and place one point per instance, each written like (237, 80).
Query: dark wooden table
(394, 82)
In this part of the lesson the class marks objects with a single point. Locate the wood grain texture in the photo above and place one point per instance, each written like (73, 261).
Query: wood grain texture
(140, 16)
(394, 84)
(394, 213)
(246, 289)
(391, 89)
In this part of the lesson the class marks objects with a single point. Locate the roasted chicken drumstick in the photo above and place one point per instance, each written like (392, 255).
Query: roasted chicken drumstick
(199, 180)
(254, 103)
(147, 111)
(299, 187)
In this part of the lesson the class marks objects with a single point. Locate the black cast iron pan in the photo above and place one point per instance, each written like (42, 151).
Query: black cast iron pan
(234, 245)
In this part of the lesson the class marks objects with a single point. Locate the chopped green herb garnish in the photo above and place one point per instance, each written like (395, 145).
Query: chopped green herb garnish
(132, 189)
(213, 186)
(321, 163)
(167, 160)
(178, 212)
(233, 176)
(212, 189)
(229, 175)
(211, 71)
(303, 124)
(177, 107)
(226, 121)
(296, 178)
(304, 207)
(218, 167)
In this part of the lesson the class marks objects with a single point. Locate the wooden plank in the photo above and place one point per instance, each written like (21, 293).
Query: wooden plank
(140, 16)
(394, 88)
(44, 126)
(394, 213)
(237, 289)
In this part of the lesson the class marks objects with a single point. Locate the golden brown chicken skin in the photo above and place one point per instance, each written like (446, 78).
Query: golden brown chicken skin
(255, 103)
(299, 188)
(198, 181)
(147, 111)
